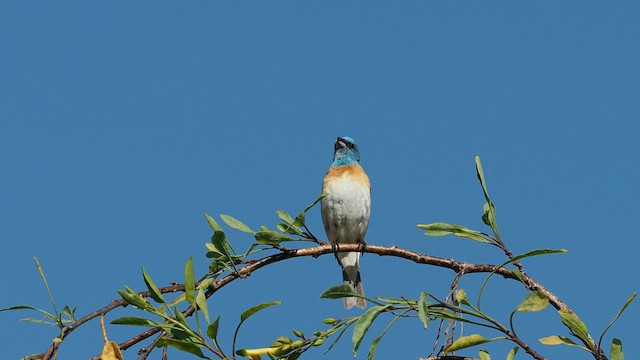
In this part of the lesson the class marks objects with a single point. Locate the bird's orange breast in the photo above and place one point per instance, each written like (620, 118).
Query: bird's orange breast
(354, 173)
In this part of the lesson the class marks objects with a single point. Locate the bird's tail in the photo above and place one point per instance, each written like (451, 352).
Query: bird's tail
(350, 263)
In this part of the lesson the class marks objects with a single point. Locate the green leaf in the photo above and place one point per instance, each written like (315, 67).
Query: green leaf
(245, 315)
(518, 274)
(374, 344)
(461, 297)
(289, 229)
(221, 246)
(153, 289)
(484, 355)
(257, 308)
(489, 214)
(364, 323)
(284, 216)
(616, 350)
(512, 353)
(483, 183)
(467, 341)
(489, 208)
(27, 307)
(24, 307)
(180, 317)
(135, 321)
(212, 223)
(201, 301)
(46, 285)
(236, 224)
(446, 315)
(135, 300)
(534, 301)
(212, 330)
(573, 322)
(179, 333)
(69, 312)
(190, 282)
(204, 284)
(271, 237)
(624, 307)
(535, 253)
(219, 265)
(337, 292)
(423, 310)
(181, 345)
(392, 300)
(299, 219)
(213, 252)
(53, 321)
(322, 196)
(442, 229)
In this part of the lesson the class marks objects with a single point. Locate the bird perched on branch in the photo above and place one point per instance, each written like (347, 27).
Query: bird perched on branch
(346, 211)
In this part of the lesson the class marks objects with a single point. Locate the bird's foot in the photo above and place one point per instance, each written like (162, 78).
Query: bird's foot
(361, 247)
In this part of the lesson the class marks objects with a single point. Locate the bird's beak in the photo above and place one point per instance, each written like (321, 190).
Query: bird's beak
(340, 143)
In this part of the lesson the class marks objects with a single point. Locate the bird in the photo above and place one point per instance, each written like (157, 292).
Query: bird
(346, 211)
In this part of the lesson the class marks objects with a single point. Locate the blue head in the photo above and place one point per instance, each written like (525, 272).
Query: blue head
(345, 152)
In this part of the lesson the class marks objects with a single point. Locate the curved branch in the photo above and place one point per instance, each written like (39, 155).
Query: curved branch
(456, 266)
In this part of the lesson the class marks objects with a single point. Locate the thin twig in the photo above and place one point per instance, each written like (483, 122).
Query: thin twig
(144, 353)
(450, 331)
(517, 340)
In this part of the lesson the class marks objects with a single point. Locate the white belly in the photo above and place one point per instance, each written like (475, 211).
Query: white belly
(346, 211)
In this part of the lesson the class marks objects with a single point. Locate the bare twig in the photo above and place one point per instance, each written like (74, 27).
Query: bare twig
(144, 353)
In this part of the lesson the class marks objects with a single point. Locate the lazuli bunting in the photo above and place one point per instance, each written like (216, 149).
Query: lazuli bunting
(346, 211)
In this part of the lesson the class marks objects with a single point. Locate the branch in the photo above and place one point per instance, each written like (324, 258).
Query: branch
(456, 266)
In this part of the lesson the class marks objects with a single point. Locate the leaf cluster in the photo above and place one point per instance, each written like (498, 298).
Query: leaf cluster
(177, 332)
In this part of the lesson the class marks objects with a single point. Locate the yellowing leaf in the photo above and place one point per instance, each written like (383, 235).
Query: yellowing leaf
(512, 353)
(535, 301)
(558, 340)
(461, 296)
(484, 355)
(111, 351)
(467, 341)
(616, 350)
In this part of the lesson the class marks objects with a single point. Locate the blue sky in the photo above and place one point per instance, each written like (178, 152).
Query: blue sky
(121, 124)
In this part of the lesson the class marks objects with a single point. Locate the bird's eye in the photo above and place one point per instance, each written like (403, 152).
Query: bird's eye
(350, 145)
